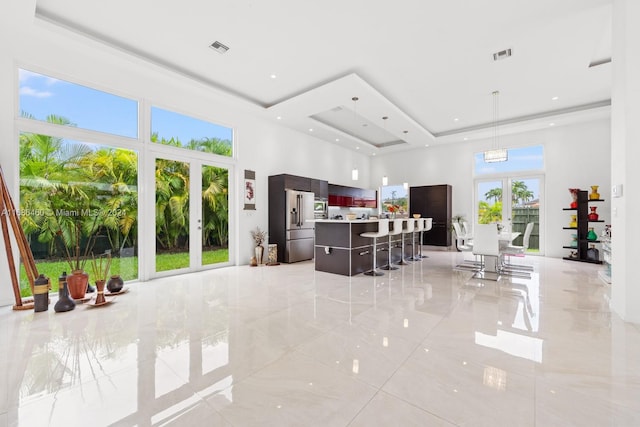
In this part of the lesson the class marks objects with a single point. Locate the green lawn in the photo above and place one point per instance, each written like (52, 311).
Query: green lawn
(125, 267)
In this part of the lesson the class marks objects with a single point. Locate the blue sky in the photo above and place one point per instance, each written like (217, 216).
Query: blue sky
(103, 112)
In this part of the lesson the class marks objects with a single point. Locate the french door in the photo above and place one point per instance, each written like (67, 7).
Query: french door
(191, 206)
(513, 202)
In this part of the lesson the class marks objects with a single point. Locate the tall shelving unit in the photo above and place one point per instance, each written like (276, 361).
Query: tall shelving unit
(582, 228)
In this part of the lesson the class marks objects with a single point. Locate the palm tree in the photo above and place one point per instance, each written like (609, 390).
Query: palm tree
(494, 193)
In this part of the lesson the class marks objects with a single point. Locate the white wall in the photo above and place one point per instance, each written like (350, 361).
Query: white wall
(262, 146)
(575, 156)
(625, 110)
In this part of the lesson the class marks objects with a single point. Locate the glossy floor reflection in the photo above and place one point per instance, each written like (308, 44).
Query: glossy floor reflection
(286, 346)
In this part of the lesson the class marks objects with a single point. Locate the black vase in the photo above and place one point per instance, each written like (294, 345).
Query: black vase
(115, 284)
(65, 303)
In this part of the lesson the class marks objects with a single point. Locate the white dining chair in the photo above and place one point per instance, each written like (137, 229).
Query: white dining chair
(486, 244)
(514, 250)
(464, 246)
(397, 229)
(383, 230)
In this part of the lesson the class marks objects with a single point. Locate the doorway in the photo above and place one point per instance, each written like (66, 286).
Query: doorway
(525, 202)
(191, 215)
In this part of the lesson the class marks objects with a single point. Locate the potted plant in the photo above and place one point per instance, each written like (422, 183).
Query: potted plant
(259, 237)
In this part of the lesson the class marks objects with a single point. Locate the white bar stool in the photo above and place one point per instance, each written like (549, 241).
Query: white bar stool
(419, 228)
(383, 230)
(397, 229)
(428, 225)
(407, 228)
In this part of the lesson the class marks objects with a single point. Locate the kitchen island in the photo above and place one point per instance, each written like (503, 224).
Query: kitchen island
(339, 248)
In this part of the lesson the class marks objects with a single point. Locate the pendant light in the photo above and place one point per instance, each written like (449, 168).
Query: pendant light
(354, 171)
(496, 154)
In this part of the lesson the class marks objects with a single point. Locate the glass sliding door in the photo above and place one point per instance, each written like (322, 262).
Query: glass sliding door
(192, 214)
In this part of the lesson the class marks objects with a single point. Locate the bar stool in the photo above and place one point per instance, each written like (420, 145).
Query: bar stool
(408, 228)
(397, 229)
(383, 230)
(419, 228)
(428, 225)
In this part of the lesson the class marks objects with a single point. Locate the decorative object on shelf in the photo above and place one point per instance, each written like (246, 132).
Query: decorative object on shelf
(593, 215)
(591, 235)
(592, 253)
(100, 268)
(64, 303)
(594, 195)
(115, 284)
(574, 221)
(272, 254)
(258, 237)
(574, 241)
(253, 262)
(41, 293)
(573, 255)
(574, 197)
(393, 210)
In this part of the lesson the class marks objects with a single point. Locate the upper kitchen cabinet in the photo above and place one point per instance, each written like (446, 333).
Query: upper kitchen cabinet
(320, 188)
(351, 197)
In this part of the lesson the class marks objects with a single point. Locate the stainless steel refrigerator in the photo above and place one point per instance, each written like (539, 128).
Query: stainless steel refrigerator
(300, 226)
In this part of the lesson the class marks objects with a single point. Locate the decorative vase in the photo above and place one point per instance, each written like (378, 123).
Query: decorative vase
(115, 283)
(77, 282)
(41, 293)
(591, 235)
(65, 303)
(100, 294)
(592, 253)
(574, 197)
(574, 221)
(593, 215)
(594, 195)
(259, 251)
(574, 241)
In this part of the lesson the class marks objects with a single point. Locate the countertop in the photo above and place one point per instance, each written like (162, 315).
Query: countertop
(342, 221)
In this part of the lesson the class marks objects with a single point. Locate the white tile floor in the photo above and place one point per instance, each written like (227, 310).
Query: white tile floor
(286, 346)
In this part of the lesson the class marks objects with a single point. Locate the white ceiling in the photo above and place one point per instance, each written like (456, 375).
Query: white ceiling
(426, 65)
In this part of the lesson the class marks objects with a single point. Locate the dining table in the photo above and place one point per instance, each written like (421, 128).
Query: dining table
(505, 238)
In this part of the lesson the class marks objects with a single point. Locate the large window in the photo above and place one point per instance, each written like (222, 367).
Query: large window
(178, 130)
(78, 200)
(394, 199)
(63, 103)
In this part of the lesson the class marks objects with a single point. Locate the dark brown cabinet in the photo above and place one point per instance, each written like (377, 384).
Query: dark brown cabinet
(320, 188)
(433, 201)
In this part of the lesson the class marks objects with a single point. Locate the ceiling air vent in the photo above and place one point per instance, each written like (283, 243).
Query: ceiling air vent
(219, 47)
(503, 54)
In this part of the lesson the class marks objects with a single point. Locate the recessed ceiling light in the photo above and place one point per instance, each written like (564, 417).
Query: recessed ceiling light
(465, 138)
(310, 130)
(555, 98)
(426, 145)
(373, 154)
(273, 76)
(456, 119)
(219, 47)
(357, 148)
(552, 124)
(279, 117)
(337, 139)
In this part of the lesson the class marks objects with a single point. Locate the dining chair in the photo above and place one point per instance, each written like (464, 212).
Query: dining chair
(486, 245)
(464, 246)
(514, 250)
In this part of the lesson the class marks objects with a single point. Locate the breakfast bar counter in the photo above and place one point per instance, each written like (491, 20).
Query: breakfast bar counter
(340, 249)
